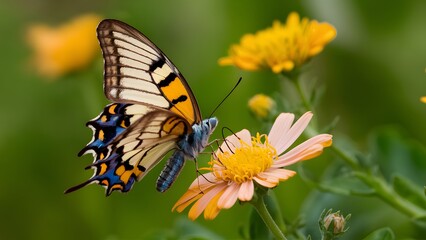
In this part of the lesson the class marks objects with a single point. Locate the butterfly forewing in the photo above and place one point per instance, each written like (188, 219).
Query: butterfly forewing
(137, 71)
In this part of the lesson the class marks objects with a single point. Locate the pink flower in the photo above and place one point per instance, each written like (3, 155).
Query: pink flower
(243, 161)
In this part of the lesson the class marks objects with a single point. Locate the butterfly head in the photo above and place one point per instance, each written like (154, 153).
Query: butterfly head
(209, 125)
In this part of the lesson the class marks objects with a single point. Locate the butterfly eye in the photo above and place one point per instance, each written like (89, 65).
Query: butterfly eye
(212, 123)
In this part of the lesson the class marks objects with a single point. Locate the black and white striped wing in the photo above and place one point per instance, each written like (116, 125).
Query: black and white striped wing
(136, 71)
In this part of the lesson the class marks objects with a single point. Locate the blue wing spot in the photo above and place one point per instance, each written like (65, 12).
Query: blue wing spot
(111, 123)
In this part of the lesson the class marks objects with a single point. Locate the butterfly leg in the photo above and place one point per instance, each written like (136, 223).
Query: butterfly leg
(171, 170)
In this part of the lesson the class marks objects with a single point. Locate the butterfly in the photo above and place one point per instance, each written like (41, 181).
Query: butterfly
(153, 112)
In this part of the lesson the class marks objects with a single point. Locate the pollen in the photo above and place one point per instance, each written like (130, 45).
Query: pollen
(247, 161)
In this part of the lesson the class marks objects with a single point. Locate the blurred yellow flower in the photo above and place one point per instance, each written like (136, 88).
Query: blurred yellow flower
(66, 48)
(261, 105)
(423, 99)
(281, 47)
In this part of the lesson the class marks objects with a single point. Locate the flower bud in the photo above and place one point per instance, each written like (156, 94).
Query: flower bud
(333, 224)
(261, 105)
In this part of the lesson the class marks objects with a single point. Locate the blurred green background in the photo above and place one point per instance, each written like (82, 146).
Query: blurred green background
(374, 74)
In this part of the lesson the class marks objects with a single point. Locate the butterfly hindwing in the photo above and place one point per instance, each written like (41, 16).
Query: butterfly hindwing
(136, 151)
(112, 121)
(137, 71)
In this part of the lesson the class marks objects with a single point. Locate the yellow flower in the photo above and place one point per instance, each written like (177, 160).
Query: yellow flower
(423, 99)
(67, 48)
(281, 47)
(243, 161)
(261, 105)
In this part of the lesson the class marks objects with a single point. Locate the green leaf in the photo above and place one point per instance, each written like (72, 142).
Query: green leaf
(395, 152)
(344, 184)
(409, 190)
(273, 207)
(257, 227)
(381, 234)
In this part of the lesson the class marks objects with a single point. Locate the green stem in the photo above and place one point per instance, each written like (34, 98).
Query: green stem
(278, 216)
(260, 207)
(327, 237)
(380, 186)
(305, 101)
(387, 194)
(345, 157)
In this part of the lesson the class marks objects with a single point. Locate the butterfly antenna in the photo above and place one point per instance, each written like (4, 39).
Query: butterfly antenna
(223, 136)
(223, 100)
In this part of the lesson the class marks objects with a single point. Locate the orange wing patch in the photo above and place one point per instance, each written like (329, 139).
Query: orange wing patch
(125, 172)
(174, 126)
(174, 90)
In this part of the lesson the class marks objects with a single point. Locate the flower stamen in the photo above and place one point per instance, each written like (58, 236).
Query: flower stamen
(246, 162)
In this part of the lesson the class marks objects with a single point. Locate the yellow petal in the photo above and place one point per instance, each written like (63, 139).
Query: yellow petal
(212, 210)
(284, 66)
(186, 200)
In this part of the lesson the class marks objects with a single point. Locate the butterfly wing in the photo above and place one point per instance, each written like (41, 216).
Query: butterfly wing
(136, 71)
(134, 152)
(113, 120)
(154, 107)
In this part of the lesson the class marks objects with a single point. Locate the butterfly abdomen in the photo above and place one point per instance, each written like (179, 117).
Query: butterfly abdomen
(170, 172)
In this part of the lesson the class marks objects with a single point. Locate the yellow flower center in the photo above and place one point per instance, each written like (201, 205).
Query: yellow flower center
(246, 162)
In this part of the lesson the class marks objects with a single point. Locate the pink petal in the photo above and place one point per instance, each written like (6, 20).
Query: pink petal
(281, 126)
(229, 196)
(194, 192)
(309, 148)
(187, 199)
(265, 182)
(279, 173)
(202, 203)
(285, 139)
(233, 141)
(246, 191)
(269, 178)
(204, 181)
